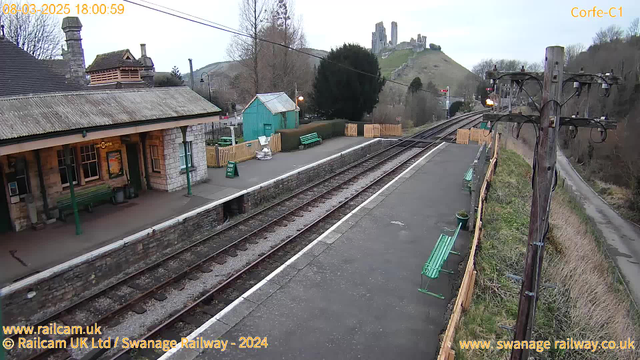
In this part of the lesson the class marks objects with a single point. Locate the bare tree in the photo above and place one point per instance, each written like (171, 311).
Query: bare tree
(246, 50)
(571, 52)
(285, 68)
(634, 28)
(610, 34)
(534, 66)
(38, 34)
(482, 67)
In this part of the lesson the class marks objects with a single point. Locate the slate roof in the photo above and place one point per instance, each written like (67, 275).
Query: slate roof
(113, 60)
(25, 116)
(21, 73)
(276, 102)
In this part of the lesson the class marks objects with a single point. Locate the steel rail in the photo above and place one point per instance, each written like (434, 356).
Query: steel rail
(176, 277)
(228, 281)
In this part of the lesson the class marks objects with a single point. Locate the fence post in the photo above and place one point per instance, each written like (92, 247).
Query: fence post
(217, 155)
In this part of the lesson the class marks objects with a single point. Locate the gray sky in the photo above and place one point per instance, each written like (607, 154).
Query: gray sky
(468, 31)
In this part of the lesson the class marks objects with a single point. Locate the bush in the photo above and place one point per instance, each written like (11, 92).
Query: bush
(326, 129)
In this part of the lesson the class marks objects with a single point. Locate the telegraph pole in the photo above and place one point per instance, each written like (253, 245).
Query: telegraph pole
(543, 181)
(544, 178)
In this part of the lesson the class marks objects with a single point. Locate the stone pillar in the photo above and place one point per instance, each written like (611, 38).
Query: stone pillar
(74, 54)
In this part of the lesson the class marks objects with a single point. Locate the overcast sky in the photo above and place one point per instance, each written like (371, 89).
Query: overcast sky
(468, 31)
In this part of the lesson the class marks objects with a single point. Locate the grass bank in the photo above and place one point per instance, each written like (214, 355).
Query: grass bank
(587, 303)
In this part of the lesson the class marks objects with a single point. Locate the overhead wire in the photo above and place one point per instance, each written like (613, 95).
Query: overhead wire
(228, 29)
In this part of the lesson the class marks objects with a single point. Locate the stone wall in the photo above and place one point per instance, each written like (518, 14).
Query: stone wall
(157, 178)
(284, 186)
(176, 177)
(93, 273)
(51, 174)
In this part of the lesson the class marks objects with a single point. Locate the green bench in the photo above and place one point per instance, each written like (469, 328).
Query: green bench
(85, 198)
(310, 139)
(439, 255)
(225, 141)
(466, 181)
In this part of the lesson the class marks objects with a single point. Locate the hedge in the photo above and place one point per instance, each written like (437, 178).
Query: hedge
(325, 129)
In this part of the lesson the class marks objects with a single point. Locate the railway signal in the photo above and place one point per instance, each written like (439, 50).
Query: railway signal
(444, 90)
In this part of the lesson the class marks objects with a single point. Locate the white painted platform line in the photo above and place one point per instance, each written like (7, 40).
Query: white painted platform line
(143, 233)
(257, 286)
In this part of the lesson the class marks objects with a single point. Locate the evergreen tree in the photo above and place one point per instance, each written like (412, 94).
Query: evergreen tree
(175, 72)
(340, 92)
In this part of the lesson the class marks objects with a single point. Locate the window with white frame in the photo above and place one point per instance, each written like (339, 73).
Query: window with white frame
(89, 160)
(189, 157)
(155, 157)
(62, 168)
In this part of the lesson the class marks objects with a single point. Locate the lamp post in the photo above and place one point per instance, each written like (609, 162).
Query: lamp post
(208, 83)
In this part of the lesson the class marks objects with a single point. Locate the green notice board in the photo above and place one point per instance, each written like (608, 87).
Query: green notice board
(232, 169)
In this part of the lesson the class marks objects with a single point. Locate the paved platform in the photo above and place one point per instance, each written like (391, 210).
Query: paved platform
(353, 293)
(35, 251)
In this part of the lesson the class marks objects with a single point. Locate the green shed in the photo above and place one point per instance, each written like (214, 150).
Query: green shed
(267, 113)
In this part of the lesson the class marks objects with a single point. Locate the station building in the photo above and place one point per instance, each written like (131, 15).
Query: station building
(56, 129)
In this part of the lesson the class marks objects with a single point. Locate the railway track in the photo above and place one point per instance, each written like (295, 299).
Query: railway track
(175, 271)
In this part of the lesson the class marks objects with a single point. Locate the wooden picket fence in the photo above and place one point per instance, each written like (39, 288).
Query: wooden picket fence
(462, 136)
(390, 130)
(372, 130)
(480, 136)
(465, 294)
(240, 152)
(377, 130)
(351, 130)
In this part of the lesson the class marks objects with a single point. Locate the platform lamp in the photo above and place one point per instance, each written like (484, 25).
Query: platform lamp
(208, 83)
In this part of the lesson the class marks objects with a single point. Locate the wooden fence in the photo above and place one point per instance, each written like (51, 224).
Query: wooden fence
(372, 130)
(239, 152)
(390, 130)
(462, 136)
(465, 294)
(377, 130)
(480, 136)
(350, 130)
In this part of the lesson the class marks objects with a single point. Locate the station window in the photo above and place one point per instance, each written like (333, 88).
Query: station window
(89, 160)
(155, 157)
(64, 180)
(189, 157)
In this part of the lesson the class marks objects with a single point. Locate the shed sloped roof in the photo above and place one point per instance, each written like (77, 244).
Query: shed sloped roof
(23, 116)
(277, 102)
(113, 60)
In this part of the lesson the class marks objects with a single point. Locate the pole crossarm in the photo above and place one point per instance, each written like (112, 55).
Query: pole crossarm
(564, 120)
(581, 77)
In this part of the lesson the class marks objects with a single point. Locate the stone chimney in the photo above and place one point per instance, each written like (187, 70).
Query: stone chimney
(149, 70)
(74, 54)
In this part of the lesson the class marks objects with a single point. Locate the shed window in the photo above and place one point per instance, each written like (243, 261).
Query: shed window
(155, 157)
(64, 180)
(189, 156)
(89, 159)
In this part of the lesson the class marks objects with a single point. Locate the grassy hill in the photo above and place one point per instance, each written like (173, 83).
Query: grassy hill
(231, 68)
(429, 65)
